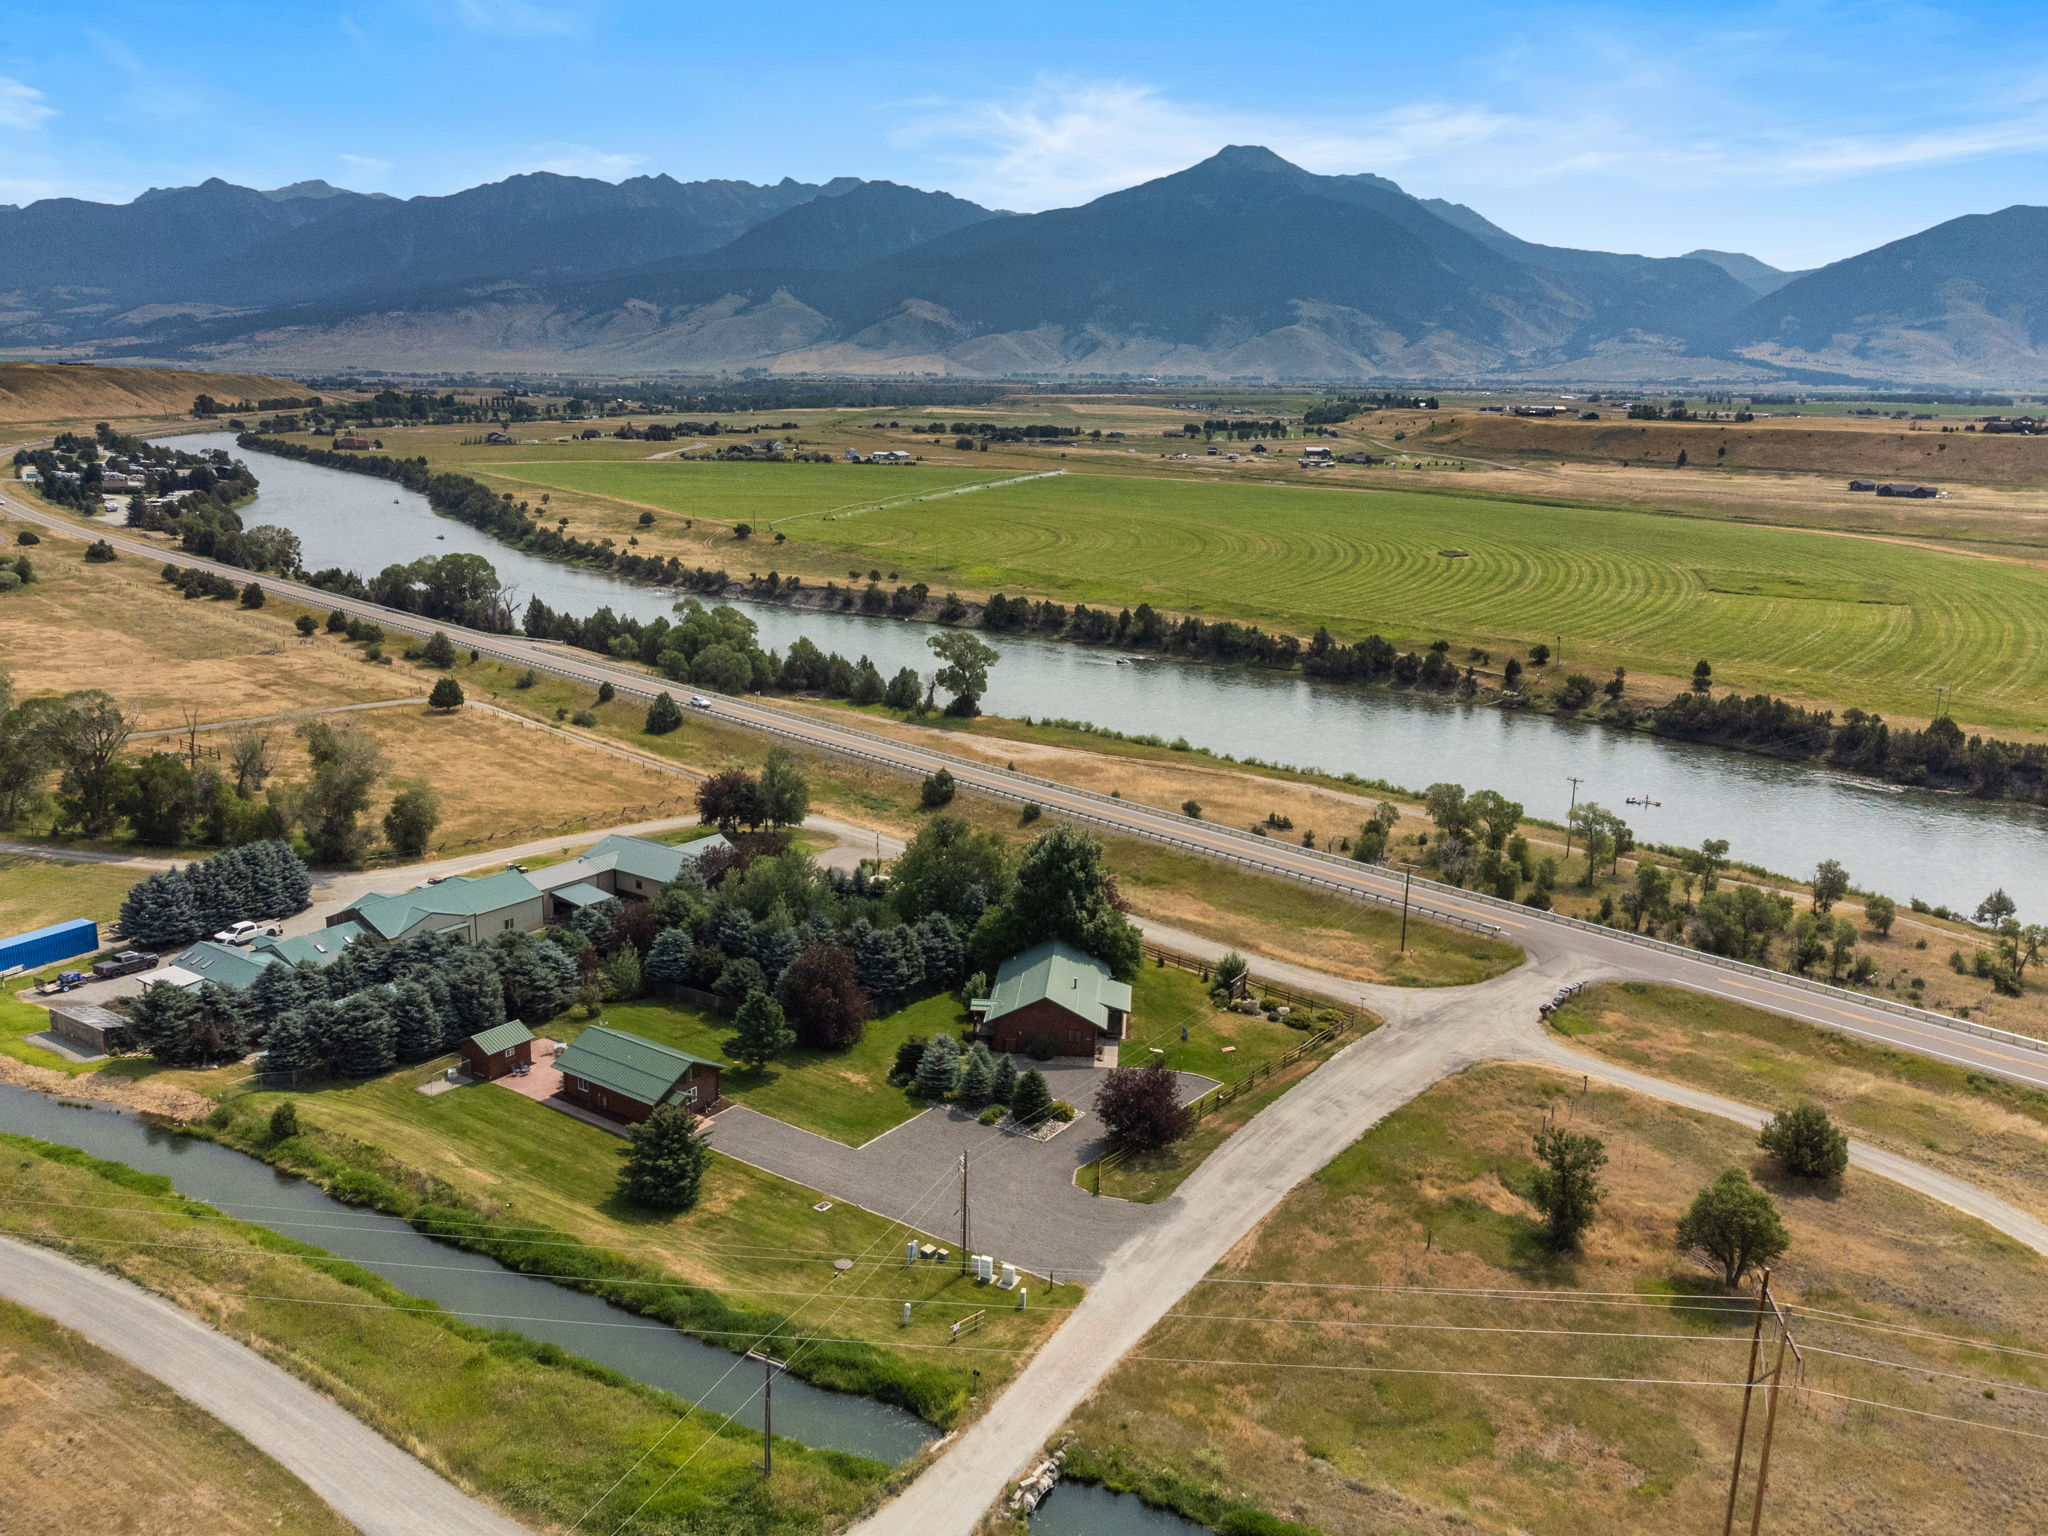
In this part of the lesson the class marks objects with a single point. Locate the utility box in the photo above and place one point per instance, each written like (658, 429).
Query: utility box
(59, 941)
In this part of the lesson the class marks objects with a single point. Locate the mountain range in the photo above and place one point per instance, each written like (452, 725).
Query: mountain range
(1243, 266)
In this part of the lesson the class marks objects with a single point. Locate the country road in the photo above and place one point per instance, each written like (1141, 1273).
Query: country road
(370, 1482)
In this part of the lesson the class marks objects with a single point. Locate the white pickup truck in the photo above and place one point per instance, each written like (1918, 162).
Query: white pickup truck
(243, 932)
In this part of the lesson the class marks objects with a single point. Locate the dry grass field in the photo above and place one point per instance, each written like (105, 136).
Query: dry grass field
(1990, 1132)
(37, 393)
(1358, 1403)
(91, 1444)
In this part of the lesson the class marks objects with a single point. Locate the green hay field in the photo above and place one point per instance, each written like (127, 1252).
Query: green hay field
(1853, 621)
(735, 493)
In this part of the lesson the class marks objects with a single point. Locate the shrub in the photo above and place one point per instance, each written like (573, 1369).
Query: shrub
(27, 536)
(992, 1114)
(1565, 1184)
(1192, 809)
(1031, 812)
(937, 790)
(1041, 1048)
(663, 715)
(99, 552)
(1140, 1107)
(284, 1121)
(447, 694)
(1735, 1224)
(527, 679)
(1061, 1110)
(1804, 1142)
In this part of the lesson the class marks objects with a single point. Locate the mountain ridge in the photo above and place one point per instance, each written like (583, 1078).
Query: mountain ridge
(1242, 265)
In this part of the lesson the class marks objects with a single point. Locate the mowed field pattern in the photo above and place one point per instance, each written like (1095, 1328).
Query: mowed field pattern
(1812, 615)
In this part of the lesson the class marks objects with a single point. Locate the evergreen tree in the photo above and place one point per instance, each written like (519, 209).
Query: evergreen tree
(1004, 1089)
(938, 1070)
(664, 1171)
(282, 988)
(419, 1033)
(446, 694)
(669, 957)
(157, 912)
(909, 1052)
(297, 1041)
(539, 980)
(361, 1036)
(439, 651)
(663, 715)
(159, 1018)
(476, 996)
(1031, 1099)
(287, 883)
(761, 1033)
(1565, 1184)
(977, 1076)
(942, 951)
(889, 963)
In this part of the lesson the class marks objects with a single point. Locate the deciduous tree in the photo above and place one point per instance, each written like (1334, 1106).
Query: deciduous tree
(1565, 1184)
(1141, 1108)
(1734, 1224)
(1804, 1142)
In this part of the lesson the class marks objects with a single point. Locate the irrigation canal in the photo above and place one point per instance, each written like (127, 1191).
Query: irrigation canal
(1784, 816)
(468, 1284)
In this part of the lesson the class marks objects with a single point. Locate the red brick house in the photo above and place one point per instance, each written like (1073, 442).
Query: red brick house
(625, 1077)
(495, 1052)
(1057, 994)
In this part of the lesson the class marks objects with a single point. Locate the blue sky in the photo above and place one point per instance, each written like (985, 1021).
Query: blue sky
(1800, 132)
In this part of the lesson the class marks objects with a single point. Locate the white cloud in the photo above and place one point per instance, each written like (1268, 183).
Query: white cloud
(583, 160)
(22, 106)
(518, 18)
(366, 166)
(1064, 141)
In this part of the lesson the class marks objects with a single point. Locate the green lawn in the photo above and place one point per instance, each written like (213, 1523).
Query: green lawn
(1870, 623)
(751, 493)
(847, 1095)
(841, 1094)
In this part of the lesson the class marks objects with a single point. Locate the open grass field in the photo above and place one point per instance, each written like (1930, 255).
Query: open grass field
(733, 493)
(1342, 1407)
(37, 892)
(537, 1434)
(1988, 1131)
(754, 1238)
(92, 1444)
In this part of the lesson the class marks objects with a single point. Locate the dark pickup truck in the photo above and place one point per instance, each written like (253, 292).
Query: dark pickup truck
(127, 963)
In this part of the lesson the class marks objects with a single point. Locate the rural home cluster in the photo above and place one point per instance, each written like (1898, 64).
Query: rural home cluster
(1052, 999)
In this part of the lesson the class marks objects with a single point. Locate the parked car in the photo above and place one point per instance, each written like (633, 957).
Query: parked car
(126, 963)
(243, 932)
(698, 701)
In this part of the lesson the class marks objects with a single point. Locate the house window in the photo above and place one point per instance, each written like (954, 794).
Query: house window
(507, 924)
(690, 1094)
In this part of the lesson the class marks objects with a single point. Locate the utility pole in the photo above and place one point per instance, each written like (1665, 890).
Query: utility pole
(1575, 783)
(965, 1229)
(1940, 693)
(1774, 1380)
(769, 1366)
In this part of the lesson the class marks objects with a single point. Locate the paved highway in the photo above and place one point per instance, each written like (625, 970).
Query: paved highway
(1544, 935)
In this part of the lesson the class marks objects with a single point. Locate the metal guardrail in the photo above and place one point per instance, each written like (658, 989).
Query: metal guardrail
(1142, 823)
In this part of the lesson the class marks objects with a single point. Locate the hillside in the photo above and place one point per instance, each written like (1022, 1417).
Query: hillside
(1964, 302)
(1844, 451)
(60, 392)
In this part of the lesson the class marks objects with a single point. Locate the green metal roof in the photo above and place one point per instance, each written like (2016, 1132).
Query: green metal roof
(618, 853)
(1057, 971)
(395, 914)
(322, 947)
(501, 1037)
(582, 894)
(235, 969)
(640, 1069)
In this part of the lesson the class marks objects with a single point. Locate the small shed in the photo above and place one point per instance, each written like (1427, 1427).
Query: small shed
(499, 1050)
(89, 1027)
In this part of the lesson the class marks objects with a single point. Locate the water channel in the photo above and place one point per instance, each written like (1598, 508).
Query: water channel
(1787, 817)
(468, 1284)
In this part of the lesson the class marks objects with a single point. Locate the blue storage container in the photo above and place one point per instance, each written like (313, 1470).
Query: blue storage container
(59, 941)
